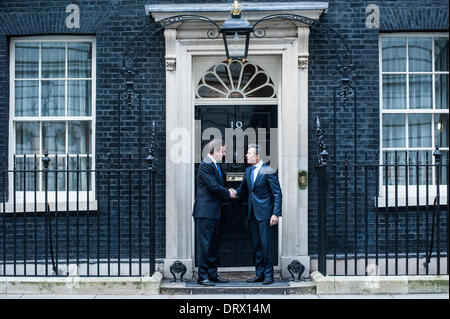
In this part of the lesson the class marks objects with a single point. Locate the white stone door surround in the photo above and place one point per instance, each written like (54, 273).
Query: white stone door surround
(188, 40)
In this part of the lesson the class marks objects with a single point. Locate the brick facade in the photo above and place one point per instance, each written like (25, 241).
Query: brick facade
(114, 23)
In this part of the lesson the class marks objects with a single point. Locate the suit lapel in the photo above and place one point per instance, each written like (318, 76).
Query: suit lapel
(258, 177)
(208, 161)
(216, 172)
(248, 176)
(221, 180)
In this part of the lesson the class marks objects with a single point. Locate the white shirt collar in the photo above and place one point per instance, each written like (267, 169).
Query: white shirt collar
(212, 159)
(260, 163)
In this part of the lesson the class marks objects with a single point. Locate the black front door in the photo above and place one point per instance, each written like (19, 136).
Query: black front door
(235, 244)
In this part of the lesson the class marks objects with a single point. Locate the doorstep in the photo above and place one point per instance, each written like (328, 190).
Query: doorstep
(239, 287)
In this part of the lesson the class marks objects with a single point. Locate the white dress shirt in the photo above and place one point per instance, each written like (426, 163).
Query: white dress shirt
(256, 170)
(214, 161)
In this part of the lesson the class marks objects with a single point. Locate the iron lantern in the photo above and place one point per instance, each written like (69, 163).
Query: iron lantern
(233, 30)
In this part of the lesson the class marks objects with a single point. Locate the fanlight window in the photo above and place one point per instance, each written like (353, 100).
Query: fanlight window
(235, 80)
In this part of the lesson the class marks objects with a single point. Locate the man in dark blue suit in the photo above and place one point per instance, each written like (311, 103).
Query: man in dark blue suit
(261, 185)
(207, 212)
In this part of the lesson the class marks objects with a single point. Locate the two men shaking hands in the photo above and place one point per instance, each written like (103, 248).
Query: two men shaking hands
(260, 184)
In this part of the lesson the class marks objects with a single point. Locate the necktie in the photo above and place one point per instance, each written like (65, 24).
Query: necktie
(252, 175)
(218, 168)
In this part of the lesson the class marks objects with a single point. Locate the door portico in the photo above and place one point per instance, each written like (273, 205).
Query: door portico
(187, 41)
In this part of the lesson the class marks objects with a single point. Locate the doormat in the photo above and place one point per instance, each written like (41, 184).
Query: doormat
(232, 283)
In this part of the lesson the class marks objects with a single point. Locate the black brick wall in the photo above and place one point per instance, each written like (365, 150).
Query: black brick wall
(114, 23)
(348, 19)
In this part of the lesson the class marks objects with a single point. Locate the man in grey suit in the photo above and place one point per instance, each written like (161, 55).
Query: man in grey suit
(261, 185)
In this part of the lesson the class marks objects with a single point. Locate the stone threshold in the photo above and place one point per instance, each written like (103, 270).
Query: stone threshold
(278, 288)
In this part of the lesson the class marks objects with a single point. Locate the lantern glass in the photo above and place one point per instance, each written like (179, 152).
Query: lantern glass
(236, 45)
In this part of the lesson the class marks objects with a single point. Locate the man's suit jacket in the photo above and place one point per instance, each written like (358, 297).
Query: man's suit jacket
(210, 191)
(265, 195)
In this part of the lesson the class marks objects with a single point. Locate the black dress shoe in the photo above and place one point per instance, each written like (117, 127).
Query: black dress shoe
(256, 279)
(219, 279)
(206, 282)
(268, 281)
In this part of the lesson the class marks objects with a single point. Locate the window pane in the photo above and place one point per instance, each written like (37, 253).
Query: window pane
(222, 72)
(442, 100)
(79, 180)
(392, 171)
(419, 52)
(206, 92)
(56, 172)
(27, 60)
(441, 129)
(265, 91)
(79, 98)
(444, 169)
(247, 74)
(394, 91)
(52, 98)
(29, 178)
(27, 138)
(420, 92)
(26, 98)
(418, 171)
(441, 54)
(53, 59)
(394, 130)
(80, 59)
(235, 70)
(54, 137)
(212, 80)
(80, 137)
(394, 54)
(419, 127)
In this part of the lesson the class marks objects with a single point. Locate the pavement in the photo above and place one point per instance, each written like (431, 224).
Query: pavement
(227, 297)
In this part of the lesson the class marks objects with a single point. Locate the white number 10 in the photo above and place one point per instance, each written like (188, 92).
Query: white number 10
(238, 124)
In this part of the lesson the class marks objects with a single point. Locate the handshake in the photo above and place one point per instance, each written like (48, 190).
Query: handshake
(233, 193)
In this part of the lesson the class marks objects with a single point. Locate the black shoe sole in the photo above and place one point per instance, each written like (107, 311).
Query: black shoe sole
(250, 281)
(210, 284)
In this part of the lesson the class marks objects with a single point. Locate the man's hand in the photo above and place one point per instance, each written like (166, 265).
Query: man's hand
(233, 193)
(273, 220)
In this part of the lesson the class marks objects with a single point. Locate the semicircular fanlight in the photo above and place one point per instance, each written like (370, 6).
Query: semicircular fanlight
(235, 80)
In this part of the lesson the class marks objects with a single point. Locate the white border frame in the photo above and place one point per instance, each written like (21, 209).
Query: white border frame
(180, 176)
(412, 189)
(241, 101)
(62, 196)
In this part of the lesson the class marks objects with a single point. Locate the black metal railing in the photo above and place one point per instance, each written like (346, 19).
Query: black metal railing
(59, 219)
(383, 219)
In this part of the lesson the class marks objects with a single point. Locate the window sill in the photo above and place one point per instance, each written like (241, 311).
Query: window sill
(39, 206)
(411, 197)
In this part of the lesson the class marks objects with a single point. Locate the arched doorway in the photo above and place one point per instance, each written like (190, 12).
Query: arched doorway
(239, 100)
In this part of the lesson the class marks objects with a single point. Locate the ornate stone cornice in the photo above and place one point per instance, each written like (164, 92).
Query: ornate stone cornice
(250, 11)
